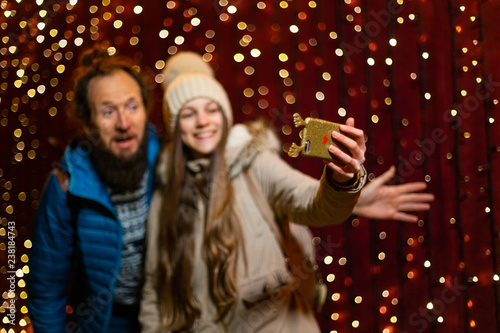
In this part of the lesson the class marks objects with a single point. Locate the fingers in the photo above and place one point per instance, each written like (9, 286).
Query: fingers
(341, 170)
(353, 132)
(414, 207)
(386, 176)
(356, 134)
(400, 216)
(411, 187)
(417, 197)
(346, 159)
(350, 122)
(410, 193)
(353, 138)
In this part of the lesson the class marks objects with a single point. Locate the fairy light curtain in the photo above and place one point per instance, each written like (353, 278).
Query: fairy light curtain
(420, 78)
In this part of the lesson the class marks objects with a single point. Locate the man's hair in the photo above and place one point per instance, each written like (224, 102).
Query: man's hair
(96, 62)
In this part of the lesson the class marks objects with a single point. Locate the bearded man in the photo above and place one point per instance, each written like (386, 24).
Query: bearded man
(87, 256)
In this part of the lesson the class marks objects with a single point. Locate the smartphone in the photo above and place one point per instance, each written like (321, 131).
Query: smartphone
(316, 137)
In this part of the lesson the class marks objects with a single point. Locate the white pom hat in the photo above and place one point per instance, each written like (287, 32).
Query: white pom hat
(188, 76)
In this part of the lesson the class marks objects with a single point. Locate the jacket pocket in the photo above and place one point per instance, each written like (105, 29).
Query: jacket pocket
(273, 285)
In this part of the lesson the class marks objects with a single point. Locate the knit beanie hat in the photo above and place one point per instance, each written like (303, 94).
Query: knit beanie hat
(188, 76)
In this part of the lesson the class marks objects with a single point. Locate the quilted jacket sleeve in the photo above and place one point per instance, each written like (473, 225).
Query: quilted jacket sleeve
(51, 260)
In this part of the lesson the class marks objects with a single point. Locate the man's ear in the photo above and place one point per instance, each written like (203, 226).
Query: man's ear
(86, 128)
(87, 124)
(91, 133)
(89, 130)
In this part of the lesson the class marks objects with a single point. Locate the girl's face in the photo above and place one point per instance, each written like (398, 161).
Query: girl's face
(201, 124)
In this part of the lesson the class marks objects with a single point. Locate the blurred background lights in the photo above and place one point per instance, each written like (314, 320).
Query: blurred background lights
(238, 57)
(283, 73)
(195, 22)
(249, 70)
(138, 9)
(255, 53)
(179, 40)
(163, 34)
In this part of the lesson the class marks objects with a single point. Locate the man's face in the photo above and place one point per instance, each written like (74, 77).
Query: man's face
(118, 112)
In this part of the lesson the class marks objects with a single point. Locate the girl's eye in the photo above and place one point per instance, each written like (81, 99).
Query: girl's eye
(186, 114)
(213, 107)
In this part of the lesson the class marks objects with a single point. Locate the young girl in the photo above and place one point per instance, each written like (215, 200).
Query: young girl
(213, 262)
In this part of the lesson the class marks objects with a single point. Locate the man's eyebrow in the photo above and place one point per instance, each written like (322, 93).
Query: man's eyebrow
(107, 103)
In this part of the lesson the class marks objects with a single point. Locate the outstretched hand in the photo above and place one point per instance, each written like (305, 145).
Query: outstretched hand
(392, 202)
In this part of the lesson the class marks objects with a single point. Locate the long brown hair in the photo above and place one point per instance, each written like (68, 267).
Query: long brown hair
(178, 306)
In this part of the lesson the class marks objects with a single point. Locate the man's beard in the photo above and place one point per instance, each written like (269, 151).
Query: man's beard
(121, 174)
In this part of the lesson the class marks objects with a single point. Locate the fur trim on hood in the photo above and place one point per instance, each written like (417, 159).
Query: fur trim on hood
(245, 141)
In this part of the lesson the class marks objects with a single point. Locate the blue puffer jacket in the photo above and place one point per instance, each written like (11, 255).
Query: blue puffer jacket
(77, 225)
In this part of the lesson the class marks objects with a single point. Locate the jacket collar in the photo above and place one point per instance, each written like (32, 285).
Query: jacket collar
(84, 180)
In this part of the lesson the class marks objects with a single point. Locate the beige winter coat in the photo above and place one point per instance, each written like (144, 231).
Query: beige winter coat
(292, 195)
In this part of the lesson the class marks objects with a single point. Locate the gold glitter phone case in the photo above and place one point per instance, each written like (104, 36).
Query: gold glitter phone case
(316, 137)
